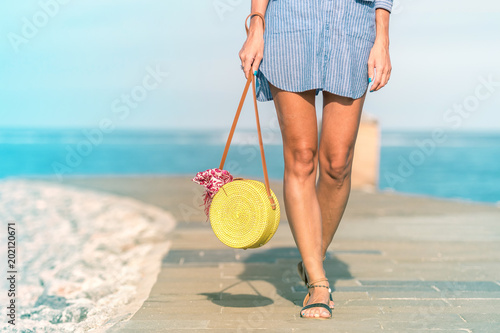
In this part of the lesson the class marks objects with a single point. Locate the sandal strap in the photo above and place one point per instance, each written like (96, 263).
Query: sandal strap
(314, 283)
(306, 299)
(317, 305)
(318, 286)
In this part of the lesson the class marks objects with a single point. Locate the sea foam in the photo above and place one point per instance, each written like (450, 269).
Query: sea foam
(85, 260)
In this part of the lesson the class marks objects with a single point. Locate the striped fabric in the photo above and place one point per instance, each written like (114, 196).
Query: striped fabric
(385, 4)
(318, 44)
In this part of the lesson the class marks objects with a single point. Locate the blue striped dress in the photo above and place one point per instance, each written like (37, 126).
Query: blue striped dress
(318, 44)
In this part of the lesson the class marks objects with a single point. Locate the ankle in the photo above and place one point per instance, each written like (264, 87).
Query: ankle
(316, 277)
(320, 283)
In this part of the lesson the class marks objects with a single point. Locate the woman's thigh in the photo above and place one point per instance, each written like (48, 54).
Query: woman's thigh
(298, 123)
(339, 129)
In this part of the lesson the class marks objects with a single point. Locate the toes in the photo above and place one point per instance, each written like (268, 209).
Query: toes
(320, 313)
(316, 313)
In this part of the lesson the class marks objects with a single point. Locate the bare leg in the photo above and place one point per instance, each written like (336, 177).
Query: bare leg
(341, 117)
(297, 118)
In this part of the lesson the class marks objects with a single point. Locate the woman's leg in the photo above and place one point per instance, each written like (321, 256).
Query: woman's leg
(341, 117)
(297, 118)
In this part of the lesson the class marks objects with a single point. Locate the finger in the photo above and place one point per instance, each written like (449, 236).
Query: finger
(378, 77)
(244, 62)
(383, 81)
(243, 55)
(374, 77)
(240, 55)
(256, 63)
(371, 67)
(384, 78)
(247, 66)
(388, 75)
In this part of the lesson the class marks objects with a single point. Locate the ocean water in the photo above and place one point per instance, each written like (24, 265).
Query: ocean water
(464, 165)
(84, 260)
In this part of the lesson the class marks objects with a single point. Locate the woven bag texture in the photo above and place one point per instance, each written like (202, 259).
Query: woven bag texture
(241, 214)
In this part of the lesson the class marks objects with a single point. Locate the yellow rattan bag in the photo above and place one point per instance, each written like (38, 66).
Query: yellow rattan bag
(243, 213)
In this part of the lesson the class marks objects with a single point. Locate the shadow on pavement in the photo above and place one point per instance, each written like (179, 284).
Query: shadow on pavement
(277, 266)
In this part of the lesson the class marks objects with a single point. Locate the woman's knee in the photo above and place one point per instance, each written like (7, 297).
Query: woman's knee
(300, 162)
(336, 166)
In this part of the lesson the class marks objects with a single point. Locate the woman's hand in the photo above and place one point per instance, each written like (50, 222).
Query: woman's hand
(253, 49)
(379, 60)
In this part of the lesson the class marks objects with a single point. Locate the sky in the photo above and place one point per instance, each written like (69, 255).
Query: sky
(70, 63)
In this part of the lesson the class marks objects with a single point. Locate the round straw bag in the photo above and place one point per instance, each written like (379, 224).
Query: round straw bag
(245, 213)
(241, 214)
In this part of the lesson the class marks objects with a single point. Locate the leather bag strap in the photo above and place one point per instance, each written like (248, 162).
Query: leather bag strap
(250, 80)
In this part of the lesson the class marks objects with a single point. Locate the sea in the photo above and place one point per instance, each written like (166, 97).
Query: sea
(461, 165)
(87, 260)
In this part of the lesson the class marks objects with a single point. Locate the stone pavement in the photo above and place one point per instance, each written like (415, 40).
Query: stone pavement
(398, 263)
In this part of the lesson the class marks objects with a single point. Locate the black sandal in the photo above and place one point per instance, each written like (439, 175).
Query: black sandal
(317, 305)
(303, 276)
